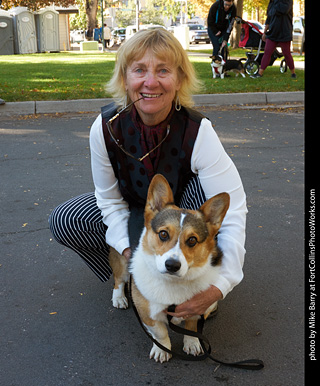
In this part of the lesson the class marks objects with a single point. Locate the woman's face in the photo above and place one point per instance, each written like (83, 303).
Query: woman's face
(157, 82)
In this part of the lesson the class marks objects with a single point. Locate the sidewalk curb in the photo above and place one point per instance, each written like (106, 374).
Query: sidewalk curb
(94, 105)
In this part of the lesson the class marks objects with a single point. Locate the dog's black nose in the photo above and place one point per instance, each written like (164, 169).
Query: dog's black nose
(173, 265)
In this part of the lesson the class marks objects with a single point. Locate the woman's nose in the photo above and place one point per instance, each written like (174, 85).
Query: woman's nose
(151, 79)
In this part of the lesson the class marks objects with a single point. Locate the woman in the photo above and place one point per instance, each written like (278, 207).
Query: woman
(278, 33)
(156, 133)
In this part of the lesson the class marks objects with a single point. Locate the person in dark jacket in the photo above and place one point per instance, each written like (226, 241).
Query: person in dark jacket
(278, 33)
(220, 22)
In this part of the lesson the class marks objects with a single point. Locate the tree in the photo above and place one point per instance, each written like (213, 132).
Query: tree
(202, 7)
(79, 20)
(235, 35)
(256, 8)
(151, 14)
(170, 8)
(91, 12)
(126, 16)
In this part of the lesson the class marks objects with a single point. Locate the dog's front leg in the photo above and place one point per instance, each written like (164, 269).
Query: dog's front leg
(191, 343)
(119, 267)
(159, 332)
(157, 328)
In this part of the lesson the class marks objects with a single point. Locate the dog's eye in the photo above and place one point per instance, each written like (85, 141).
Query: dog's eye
(164, 235)
(192, 241)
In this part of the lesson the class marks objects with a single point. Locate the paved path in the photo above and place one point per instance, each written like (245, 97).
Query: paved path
(58, 327)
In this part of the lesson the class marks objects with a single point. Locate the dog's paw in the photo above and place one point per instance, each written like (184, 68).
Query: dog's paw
(192, 346)
(119, 300)
(159, 355)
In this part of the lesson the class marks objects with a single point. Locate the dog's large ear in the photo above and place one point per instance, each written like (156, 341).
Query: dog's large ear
(159, 193)
(215, 209)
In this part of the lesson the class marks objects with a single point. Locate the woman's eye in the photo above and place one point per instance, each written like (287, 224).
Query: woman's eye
(192, 241)
(164, 236)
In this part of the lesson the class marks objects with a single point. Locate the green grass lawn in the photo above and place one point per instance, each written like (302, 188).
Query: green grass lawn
(77, 75)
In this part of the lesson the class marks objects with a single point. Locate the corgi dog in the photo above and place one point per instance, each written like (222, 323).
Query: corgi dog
(176, 258)
(220, 66)
(217, 64)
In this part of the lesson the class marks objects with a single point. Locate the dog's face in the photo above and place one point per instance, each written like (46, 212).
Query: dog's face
(180, 241)
(217, 61)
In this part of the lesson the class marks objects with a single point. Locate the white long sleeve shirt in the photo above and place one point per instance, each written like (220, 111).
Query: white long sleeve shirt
(217, 174)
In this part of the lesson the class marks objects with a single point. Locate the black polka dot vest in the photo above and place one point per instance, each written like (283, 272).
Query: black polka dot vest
(175, 157)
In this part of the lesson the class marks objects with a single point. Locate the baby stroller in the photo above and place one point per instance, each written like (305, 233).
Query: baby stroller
(251, 38)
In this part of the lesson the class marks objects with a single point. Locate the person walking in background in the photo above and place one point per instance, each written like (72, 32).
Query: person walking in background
(278, 32)
(221, 18)
(106, 35)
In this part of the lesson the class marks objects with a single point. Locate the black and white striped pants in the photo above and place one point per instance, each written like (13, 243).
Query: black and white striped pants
(77, 224)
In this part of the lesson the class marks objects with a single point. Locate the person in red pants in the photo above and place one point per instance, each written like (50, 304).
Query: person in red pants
(278, 33)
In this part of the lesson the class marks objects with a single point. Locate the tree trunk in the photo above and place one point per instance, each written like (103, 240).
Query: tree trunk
(235, 35)
(91, 12)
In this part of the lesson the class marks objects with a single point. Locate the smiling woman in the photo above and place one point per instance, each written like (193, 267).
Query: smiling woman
(157, 82)
(159, 46)
(151, 129)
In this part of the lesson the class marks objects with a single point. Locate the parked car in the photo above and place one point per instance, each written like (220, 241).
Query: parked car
(298, 34)
(198, 33)
(77, 36)
(118, 35)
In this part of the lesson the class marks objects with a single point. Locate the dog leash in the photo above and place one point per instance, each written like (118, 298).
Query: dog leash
(249, 364)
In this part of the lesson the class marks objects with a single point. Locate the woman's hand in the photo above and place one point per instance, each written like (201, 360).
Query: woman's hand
(218, 33)
(198, 304)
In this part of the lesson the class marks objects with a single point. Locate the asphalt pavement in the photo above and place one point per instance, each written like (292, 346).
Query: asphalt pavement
(58, 326)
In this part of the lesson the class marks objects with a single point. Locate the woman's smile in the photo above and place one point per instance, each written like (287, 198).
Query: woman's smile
(144, 95)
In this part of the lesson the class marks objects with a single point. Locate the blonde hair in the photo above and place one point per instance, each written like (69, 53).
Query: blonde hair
(165, 47)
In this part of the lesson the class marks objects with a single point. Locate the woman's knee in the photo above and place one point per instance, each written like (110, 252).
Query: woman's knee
(58, 225)
(72, 225)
